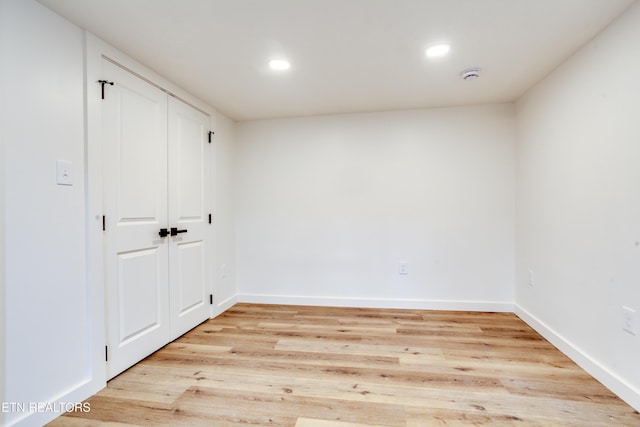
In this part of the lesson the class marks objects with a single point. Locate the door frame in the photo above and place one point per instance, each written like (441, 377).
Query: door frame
(95, 51)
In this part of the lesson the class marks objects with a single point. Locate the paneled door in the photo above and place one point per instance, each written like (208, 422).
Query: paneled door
(189, 216)
(155, 191)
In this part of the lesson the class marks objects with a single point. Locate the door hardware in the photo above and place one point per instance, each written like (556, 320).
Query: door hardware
(175, 231)
(104, 82)
(163, 232)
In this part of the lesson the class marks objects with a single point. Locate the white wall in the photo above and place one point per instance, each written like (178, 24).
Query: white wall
(47, 324)
(578, 209)
(3, 109)
(328, 206)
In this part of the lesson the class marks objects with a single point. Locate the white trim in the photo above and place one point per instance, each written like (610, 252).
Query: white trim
(225, 305)
(213, 277)
(600, 372)
(420, 304)
(93, 185)
(97, 49)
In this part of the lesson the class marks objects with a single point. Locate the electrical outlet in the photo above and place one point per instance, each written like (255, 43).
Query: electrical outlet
(531, 278)
(629, 320)
(403, 268)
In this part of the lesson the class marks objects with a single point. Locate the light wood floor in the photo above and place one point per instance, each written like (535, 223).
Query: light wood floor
(266, 365)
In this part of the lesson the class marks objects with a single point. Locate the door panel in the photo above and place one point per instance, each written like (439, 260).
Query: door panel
(188, 165)
(188, 210)
(138, 280)
(191, 263)
(134, 140)
(140, 144)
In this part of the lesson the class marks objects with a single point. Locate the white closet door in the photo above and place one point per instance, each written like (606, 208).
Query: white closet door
(134, 130)
(189, 250)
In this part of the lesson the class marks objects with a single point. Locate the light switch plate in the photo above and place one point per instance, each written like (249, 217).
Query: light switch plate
(403, 268)
(64, 172)
(629, 320)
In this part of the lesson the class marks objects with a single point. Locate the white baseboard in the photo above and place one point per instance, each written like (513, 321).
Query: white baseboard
(378, 303)
(612, 381)
(227, 304)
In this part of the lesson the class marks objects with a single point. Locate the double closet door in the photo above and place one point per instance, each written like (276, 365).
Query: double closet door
(156, 202)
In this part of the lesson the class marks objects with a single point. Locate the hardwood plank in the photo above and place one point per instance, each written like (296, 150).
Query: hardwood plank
(263, 409)
(338, 329)
(308, 422)
(137, 412)
(320, 346)
(69, 421)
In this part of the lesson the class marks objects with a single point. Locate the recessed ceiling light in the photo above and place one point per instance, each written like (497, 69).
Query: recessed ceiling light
(279, 64)
(438, 50)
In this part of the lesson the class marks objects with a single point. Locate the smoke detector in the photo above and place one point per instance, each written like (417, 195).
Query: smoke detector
(470, 73)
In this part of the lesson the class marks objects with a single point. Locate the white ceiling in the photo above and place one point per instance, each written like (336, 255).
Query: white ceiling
(346, 55)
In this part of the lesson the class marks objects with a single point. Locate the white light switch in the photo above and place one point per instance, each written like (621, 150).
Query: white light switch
(64, 172)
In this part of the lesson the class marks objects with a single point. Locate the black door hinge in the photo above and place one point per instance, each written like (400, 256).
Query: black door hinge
(106, 353)
(104, 82)
(211, 299)
(210, 134)
(104, 223)
(209, 218)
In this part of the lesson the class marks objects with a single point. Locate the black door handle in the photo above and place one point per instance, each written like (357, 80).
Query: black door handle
(175, 231)
(163, 232)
